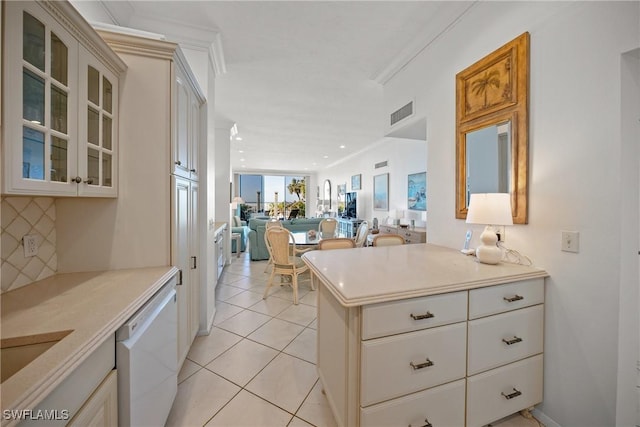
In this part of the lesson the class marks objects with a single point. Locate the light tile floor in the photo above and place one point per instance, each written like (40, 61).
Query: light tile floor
(257, 366)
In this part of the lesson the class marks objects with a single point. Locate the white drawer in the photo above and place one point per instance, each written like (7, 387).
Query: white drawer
(501, 298)
(438, 356)
(487, 392)
(442, 406)
(497, 340)
(395, 317)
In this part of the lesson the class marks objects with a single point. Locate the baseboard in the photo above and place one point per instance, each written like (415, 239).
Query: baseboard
(207, 331)
(544, 419)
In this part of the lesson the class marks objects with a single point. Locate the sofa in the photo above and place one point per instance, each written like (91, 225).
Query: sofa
(258, 248)
(240, 227)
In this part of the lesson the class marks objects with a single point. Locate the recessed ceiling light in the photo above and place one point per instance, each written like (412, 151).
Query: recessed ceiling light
(243, 166)
(326, 157)
(240, 151)
(242, 160)
(238, 138)
(342, 146)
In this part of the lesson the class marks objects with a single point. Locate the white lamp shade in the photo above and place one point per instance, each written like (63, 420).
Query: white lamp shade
(490, 209)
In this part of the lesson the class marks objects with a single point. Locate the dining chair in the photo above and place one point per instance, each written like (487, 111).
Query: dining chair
(284, 263)
(269, 224)
(328, 228)
(388, 240)
(361, 234)
(336, 243)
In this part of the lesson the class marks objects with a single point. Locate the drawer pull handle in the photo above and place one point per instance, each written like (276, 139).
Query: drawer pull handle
(514, 340)
(421, 365)
(428, 424)
(513, 299)
(427, 315)
(515, 393)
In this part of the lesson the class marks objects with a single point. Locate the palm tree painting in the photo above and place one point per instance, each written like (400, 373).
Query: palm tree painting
(481, 86)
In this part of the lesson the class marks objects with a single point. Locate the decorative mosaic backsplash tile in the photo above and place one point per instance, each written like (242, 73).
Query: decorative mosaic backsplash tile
(20, 216)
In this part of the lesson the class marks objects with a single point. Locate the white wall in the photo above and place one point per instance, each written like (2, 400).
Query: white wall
(574, 171)
(404, 157)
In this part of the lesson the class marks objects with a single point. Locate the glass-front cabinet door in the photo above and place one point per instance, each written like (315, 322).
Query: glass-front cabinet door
(97, 158)
(59, 118)
(40, 138)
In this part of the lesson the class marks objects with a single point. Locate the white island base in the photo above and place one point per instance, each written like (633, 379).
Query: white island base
(421, 335)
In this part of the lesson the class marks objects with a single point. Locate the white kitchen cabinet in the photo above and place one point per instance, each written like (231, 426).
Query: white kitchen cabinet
(76, 392)
(160, 108)
(448, 342)
(184, 256)
(194, 272)
(60, 116)
(187, 128)
(101, 409)
(220, 252)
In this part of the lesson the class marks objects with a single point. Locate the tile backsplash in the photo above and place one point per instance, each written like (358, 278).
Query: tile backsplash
(21, 216)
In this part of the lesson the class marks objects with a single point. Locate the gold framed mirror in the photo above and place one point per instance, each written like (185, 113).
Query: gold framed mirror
(492, 127)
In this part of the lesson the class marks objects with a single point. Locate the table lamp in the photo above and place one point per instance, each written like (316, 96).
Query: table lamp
(489, 209)
(391, 220)
(236, 202)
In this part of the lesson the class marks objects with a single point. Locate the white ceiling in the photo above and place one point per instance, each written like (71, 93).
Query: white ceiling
(303, 78)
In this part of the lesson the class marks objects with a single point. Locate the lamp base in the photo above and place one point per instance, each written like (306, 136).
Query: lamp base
(489, 252)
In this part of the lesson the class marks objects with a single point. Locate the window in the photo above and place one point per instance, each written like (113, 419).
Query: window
(259, 193)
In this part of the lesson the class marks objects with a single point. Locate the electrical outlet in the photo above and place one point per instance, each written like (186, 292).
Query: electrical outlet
(570, 241)
(30, 243)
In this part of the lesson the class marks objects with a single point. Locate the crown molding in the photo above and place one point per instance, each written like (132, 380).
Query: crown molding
(452, 13)
(128, 42)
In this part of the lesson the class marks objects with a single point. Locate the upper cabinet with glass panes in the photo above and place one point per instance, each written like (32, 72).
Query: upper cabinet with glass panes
(60, 118)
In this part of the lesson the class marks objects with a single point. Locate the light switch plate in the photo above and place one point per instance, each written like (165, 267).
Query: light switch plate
(570, 241)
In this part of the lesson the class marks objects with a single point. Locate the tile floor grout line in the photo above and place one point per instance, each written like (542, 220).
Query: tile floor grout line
(279, 352)
(293, 415)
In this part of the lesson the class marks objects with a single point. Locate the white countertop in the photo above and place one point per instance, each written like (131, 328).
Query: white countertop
(93, 305)
(219, 226)
(377, 274)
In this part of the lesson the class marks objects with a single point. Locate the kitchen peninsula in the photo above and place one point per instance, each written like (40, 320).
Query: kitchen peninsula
(420, 334)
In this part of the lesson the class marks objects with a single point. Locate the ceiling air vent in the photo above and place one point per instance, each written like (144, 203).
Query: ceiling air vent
(381, 164)
(402, 113)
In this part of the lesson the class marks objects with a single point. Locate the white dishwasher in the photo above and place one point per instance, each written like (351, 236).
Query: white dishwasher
(146, 358)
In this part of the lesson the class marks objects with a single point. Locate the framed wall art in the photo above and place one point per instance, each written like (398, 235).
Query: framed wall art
(381, 192)
(355, 182)
(417, 191)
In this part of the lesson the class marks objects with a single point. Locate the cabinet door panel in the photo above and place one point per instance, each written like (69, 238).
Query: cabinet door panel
(101, 409)
(40, 84)
(194, 272)
(194, 136)
(180, 144)
(97, 128)
(180, 258)
(402, 364)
